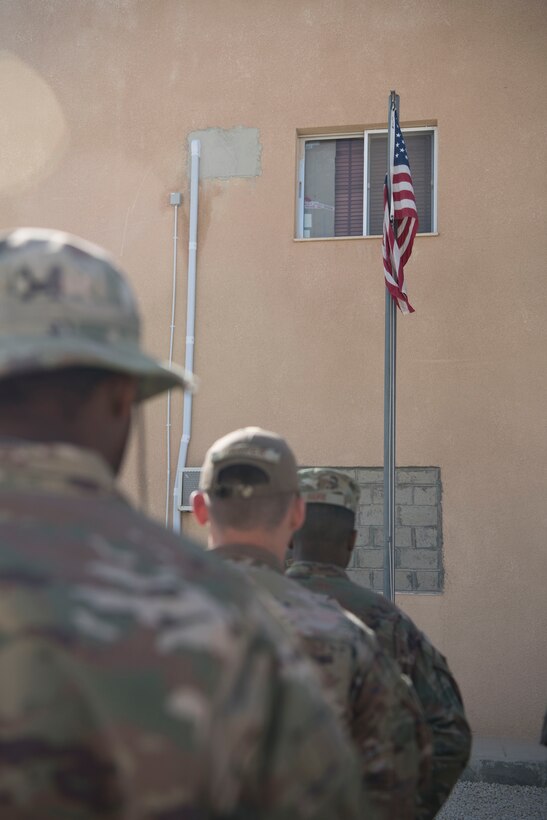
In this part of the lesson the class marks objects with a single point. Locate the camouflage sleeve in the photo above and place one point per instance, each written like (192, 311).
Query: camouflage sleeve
(84, 743)
(390, 731)
(444, 712)
(310, 768)
(53, 762)
(289, 754)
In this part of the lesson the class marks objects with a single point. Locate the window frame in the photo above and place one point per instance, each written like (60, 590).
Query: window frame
(365, 134)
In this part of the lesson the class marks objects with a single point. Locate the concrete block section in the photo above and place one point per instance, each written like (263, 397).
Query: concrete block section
(409, 558)
(363, 537)
(373, 514)
(415, 516)
(369, 559)
(377, 491)
(403, 494)
(418, 531)
(425, 495)
(426, 537)
(371, 579)
(418, 580)
(420, 475)
(403, 536)
(405, 580)
(367, 497)
(378, 580)
(228, 153)
(377, 536)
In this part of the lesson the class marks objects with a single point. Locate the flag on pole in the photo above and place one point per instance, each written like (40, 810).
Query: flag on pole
(400, 215)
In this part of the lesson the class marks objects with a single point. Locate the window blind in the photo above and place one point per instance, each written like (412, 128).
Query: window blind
(348, 187)
(420, 153)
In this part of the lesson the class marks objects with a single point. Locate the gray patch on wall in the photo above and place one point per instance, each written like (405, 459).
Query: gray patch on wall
(418, 529)
(228, 153)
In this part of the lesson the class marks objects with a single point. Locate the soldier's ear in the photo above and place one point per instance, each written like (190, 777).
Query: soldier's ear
(297, 513)
(123, 394)
(199, 507)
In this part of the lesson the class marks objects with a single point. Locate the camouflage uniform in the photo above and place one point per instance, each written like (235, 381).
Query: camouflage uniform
(428, 670)
(244, 477)
(372, 699)
(139, 678)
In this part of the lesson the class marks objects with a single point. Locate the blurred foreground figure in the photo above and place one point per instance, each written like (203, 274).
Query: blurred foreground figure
(249, 498)
(321, 552)
(139, 678)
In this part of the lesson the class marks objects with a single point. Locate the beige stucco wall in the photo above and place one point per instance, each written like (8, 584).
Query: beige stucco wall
(99, 99)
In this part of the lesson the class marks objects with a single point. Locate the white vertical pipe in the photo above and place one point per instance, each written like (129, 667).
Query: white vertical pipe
(175, 199)
(195, 149)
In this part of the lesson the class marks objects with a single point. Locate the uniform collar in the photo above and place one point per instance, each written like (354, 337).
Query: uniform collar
(305, 569)
(250, 554)
(53, 468)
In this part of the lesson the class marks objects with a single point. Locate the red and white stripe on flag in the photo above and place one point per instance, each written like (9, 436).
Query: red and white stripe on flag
(401, 214)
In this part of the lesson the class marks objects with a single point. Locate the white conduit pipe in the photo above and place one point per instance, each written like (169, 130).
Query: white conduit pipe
(190, 327)
(175, 200)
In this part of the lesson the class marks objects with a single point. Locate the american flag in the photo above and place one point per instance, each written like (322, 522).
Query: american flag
(399, 214)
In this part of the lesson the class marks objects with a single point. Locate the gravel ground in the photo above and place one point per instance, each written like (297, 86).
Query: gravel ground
(490, 801)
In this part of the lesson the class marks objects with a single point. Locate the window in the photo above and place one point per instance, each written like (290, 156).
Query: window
(341, 179)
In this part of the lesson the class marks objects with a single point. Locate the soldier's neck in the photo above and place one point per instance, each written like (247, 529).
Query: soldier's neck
(274, 542)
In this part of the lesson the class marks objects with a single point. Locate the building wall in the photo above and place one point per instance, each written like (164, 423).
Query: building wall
(101, 98)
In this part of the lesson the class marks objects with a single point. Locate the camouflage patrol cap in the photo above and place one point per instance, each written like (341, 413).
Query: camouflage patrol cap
(320, 486)
(255, 447)
(64, 303)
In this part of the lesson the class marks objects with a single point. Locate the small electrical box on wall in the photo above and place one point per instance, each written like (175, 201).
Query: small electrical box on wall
(190, 482)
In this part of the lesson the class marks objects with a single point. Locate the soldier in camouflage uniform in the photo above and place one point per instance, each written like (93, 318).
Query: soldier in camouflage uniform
(249, 499)
(321, 551)
(139, 677)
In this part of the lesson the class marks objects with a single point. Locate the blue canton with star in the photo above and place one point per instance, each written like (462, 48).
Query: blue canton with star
(400, 156)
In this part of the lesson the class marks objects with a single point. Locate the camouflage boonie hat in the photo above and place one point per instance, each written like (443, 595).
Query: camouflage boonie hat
(64, 303)
(319, 486)
(255, 447)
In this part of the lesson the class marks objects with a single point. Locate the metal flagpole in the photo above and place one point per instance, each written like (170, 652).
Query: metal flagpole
(390, 372)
